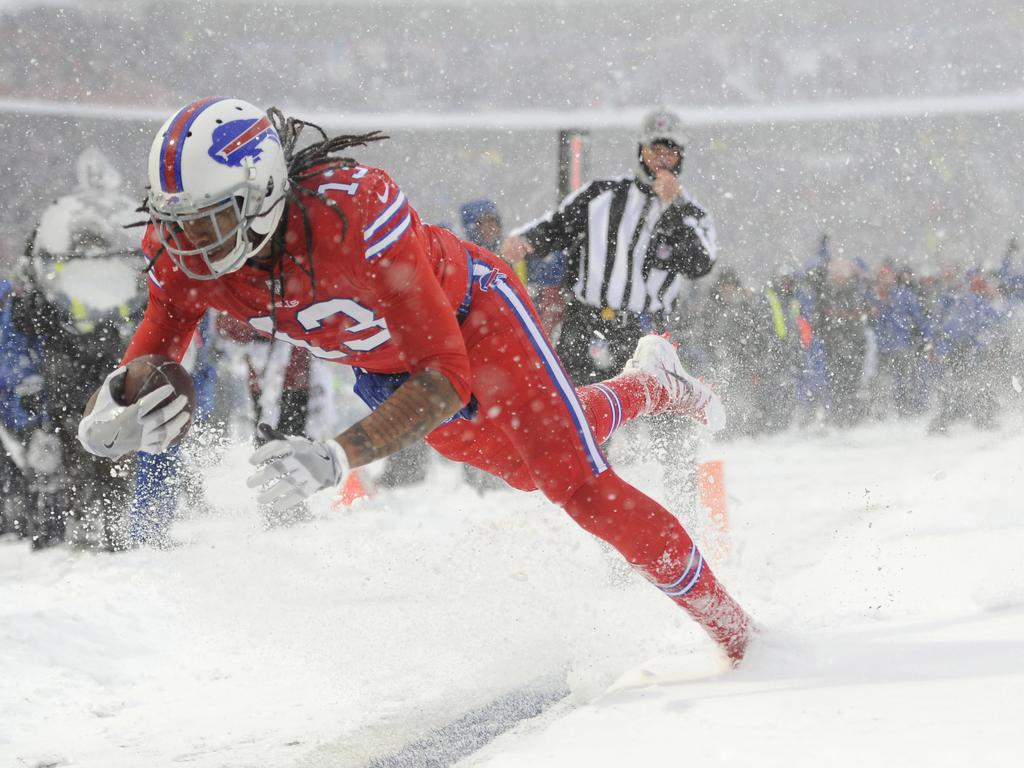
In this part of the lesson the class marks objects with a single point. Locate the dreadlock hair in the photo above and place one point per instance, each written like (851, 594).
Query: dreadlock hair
(144, 208)
(321, 156)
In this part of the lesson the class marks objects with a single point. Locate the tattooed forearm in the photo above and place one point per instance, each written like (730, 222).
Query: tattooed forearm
(416, 407)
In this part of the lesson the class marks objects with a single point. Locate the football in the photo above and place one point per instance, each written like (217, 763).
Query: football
(150, 372)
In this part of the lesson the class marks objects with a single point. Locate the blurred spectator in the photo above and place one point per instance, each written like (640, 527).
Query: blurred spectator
(77, 294)
(481, 223)
(841, 324)
(787, 340)
(17, 504)
(903, 332)
(964, 343)
(729, 328)
(1011, 272)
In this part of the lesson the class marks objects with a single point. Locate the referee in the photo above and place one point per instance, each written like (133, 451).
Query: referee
(630, 242)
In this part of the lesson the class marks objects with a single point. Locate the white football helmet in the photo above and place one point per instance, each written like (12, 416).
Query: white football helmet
(83, 257)
(212, 159)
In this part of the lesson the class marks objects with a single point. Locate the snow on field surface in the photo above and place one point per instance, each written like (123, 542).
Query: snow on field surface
(885, 568)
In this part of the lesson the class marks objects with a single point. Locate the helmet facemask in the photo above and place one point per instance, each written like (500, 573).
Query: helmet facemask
(193, 236)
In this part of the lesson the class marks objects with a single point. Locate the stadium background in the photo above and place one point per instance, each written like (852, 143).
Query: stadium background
(898, 131)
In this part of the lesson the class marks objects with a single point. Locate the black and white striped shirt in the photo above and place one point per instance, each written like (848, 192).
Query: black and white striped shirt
(605, 228)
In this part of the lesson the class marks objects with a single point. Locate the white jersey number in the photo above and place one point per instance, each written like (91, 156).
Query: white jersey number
(313, 317)
(357, 173)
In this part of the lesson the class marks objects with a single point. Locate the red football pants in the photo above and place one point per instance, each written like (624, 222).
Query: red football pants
(536, 431)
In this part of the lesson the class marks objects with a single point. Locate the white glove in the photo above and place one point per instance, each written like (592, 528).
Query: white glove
(295, 468)
(112, 429)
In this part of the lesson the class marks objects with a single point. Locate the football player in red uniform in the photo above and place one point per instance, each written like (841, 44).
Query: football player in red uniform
(327, 254)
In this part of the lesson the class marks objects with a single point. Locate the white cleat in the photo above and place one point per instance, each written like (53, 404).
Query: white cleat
(656, 356)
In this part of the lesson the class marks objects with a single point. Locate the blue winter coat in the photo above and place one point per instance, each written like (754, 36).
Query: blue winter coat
(20, 371)
(970, 324)
(902, 322)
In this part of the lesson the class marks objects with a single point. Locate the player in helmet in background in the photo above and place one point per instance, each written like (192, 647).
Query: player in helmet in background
(78, 295)
(328, 254)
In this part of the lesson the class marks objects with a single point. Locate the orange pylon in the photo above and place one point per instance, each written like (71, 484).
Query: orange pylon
(711, 485)
(351, 490)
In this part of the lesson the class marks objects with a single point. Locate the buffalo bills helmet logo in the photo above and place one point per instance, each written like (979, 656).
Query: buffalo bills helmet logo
(239, 139)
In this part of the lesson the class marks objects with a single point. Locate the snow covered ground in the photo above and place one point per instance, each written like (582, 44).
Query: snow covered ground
(885, 566)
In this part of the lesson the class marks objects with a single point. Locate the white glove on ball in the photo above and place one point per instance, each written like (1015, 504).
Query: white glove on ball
(112, 429)
(294, 468)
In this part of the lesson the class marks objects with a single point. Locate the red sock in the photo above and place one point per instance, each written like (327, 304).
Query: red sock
(610, 404)
(652, 539)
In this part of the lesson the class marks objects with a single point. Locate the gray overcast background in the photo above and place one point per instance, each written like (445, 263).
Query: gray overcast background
(920, 188)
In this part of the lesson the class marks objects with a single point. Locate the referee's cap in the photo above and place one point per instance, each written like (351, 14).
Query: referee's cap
(662, 125)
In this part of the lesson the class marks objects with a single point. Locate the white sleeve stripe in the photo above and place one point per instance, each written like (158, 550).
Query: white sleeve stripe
(382, 245)
(152, 277)
(707, 240)
(705, 230)
(383, 218)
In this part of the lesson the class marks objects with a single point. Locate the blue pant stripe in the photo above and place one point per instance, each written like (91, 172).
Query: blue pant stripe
(693, 581)
(614, 403)
(598, 463)
(671, 592)
(689, 564)
(692, 571)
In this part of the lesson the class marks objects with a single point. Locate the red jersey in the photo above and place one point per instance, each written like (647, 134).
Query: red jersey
(386, 295)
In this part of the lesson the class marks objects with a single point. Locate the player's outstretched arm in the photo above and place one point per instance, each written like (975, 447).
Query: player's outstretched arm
(405, 418)
(293, 468)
